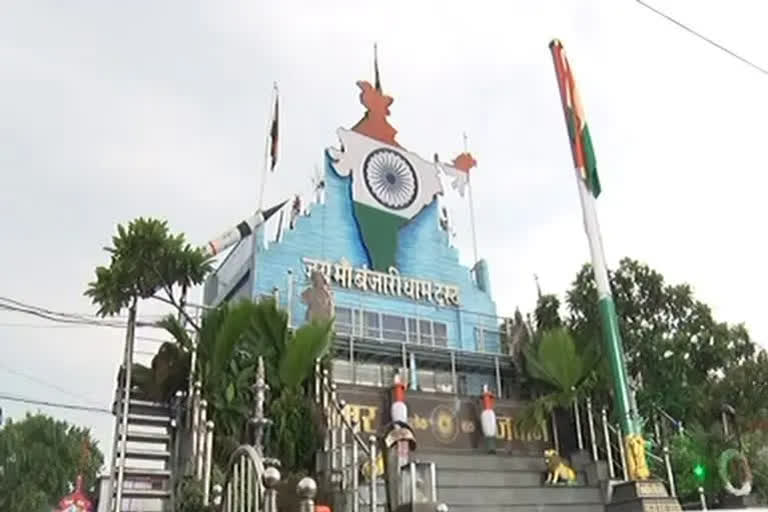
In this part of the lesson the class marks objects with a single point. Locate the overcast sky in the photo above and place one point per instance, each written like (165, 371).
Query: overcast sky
(111, 110)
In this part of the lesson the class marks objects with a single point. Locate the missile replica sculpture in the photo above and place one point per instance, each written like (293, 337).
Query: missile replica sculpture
(240, 231)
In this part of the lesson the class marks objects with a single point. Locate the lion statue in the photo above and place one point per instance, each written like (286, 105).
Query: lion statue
(557, 469)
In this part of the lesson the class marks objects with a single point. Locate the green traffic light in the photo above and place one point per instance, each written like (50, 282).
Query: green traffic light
(699, 471)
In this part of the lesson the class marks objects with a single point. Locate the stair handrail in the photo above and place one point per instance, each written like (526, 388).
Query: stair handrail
(607, 447)
(121, 420)
(339, 427)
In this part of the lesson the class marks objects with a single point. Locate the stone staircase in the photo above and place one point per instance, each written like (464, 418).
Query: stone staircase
(506, 483)
(147, 475)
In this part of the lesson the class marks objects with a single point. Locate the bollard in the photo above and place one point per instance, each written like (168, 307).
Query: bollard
(307, 490)
(271, 478)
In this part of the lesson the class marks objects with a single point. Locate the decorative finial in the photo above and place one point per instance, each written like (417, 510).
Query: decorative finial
(307, 488)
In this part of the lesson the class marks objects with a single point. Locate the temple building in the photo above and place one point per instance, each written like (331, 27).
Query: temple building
(376, 228)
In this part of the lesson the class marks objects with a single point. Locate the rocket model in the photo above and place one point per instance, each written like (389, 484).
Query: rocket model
(488, 419)
(241, 231)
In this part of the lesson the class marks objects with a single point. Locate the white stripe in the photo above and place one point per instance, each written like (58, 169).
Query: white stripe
(592, 228)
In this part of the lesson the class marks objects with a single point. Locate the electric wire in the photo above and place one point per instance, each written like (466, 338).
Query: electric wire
(45, 383)
(60, 405)
(704, 38)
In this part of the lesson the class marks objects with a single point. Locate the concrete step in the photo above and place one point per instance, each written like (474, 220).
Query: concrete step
(147, 407)
(146, 473)
(483, 462)
(134, 453)
(147, 494)
(483, 478)
(149, 420)
(495, 496)
(590, 507)
(148, 437)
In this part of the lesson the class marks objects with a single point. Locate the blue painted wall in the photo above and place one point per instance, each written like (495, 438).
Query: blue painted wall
(330, 233)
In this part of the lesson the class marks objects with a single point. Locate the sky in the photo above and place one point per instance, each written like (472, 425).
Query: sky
(114, 110)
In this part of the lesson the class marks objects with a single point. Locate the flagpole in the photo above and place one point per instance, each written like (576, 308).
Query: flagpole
(267, 145)
(627, 412)
(471, 210)
(254, 242)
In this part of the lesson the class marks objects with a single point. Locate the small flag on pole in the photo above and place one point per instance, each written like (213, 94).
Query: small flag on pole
(377, 79)
(578, 130)
(273, 134)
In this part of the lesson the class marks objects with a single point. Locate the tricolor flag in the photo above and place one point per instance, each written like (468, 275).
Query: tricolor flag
(578, 130)
(273, 134)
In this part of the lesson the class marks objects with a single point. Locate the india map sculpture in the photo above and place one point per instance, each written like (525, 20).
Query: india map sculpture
(390, 185)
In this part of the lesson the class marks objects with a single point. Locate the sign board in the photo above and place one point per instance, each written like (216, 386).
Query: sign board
(443, 421)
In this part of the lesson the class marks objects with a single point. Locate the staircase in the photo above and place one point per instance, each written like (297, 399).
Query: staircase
(147, 475)
(506, 483)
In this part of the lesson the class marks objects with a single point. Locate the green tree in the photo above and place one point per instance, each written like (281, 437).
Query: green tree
(561, 370)
(147, 262)
(673, 345)
(40, 458)
(547, 313)
(231, 339)
(745, 388)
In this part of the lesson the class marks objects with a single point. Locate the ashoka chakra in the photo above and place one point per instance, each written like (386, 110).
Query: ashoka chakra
(390, 179)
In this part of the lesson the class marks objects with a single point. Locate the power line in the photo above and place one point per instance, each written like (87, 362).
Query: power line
(705, 38)
(44, 383)
(60, 405)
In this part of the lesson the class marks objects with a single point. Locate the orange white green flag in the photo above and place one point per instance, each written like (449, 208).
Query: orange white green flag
(578, 129)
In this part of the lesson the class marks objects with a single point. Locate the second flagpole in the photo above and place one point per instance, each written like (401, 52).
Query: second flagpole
(267, 144)
(471, 210)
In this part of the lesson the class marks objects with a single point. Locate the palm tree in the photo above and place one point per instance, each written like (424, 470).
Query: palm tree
(561, 370)
(231, 339)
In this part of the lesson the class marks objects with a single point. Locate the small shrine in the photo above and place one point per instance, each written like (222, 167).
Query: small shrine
(77, 501)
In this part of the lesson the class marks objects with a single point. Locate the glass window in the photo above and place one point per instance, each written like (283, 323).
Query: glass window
(368, 375)
(426, 380)
(479, 340)
(444, 382)
(425, 332)
(342, 371)
(492, 341)
(413, 331)
(393, 328)
(372, 325)
(343, 320)
(441, 334)
(388, 374)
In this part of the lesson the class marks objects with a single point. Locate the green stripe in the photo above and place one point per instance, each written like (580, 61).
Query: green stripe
(615, 352)
(590, 162)
(378, 231)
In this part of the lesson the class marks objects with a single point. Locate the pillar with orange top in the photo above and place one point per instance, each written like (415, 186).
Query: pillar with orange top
(488, 419)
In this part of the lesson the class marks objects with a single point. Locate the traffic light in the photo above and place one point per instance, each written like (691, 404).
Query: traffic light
(699, 471)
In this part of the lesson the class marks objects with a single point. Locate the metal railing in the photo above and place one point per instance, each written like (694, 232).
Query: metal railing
(606, 443)
(343, 446)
